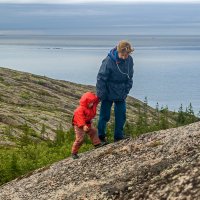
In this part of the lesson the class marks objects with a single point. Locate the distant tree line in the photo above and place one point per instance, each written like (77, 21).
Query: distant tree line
(164, 119)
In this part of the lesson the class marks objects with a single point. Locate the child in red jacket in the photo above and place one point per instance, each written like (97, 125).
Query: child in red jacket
(82, 122)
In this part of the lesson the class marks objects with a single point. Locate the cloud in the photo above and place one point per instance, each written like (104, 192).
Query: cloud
(64, 12)
(95, 1)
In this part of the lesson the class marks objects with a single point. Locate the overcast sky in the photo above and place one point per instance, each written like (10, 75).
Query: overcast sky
(93, 1)
(98, 18)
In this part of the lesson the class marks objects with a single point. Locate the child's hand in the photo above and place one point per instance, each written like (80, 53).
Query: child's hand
(86, 128)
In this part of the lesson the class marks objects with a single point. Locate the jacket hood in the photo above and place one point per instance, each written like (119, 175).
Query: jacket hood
(113, 54)
(87, 98)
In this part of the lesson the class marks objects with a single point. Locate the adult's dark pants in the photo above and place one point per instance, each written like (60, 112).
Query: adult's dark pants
(120, 118)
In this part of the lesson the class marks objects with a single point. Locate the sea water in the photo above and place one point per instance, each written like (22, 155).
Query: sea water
(166, 69)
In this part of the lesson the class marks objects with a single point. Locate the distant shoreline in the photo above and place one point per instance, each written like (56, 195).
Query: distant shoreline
(103, 41)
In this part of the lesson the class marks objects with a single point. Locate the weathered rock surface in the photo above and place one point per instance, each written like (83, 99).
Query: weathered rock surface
(158, 165)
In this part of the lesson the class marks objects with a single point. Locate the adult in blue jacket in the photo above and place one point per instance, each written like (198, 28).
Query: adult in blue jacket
(114, 81)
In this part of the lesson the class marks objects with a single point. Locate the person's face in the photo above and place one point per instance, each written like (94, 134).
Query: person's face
(123, 55)
(90, 105)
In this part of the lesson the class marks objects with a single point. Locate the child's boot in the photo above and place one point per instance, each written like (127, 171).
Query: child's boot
(75, 156)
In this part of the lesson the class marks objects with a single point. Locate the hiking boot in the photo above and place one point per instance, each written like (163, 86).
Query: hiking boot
(124, 138)
(75, 156)
(100, 145)
(103, 140)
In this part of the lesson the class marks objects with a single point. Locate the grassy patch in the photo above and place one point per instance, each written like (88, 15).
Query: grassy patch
(26, 95)
(40, 82)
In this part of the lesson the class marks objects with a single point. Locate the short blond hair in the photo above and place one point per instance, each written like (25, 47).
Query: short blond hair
(124, 47)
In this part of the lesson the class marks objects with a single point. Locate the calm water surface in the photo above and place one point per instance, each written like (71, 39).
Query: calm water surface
(165, 72)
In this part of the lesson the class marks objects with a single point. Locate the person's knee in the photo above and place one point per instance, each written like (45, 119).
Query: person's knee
(104, 117)
(92, 131)
(120, 109)
(79, 140)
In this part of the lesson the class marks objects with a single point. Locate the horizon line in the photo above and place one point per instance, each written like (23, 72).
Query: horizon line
(98, 1)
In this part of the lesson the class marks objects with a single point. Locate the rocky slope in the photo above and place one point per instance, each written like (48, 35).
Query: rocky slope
(158, 165)
(38, 102)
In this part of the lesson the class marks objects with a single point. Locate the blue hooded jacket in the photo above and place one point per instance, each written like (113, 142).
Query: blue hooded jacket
(115, 77)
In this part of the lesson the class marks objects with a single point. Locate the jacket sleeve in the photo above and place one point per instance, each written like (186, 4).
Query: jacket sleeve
(79, 118)
(96, 104)
(102, 77)
(96, 101)
(131, 71)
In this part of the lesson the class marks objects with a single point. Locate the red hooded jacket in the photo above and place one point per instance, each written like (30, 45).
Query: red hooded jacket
(83, 114)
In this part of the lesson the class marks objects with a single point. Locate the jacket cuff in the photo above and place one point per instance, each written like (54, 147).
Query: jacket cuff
(81, 126)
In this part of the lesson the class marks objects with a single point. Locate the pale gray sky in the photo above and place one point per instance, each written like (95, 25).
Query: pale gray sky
(100, 19)
(96, 1)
